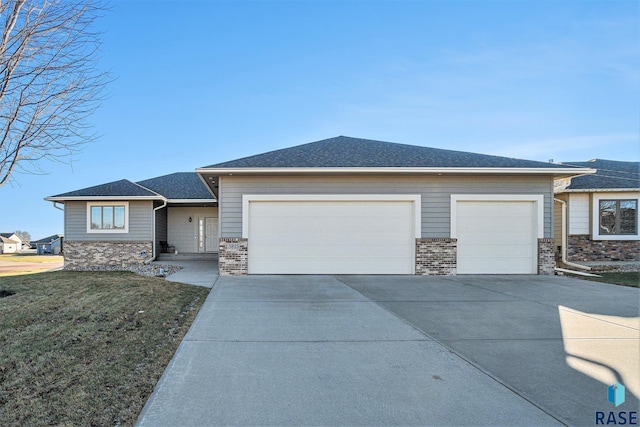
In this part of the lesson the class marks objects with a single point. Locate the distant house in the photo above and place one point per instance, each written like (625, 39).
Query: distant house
(49, 245)
(10, 243)
(596, 216)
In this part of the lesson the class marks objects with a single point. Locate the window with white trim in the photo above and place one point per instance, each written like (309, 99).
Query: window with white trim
(108, 217)
(618, 217)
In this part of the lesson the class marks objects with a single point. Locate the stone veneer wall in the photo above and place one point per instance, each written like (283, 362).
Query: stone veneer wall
(233, 256)
(582, 248)
(82, 254)
(546, 256)
(436, 256)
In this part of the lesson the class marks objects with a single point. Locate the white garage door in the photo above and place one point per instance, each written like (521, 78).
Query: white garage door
(331, 236)
(497, 237)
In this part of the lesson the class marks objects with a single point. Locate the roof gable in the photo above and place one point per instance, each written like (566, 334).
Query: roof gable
(610, 175)
(347, 152)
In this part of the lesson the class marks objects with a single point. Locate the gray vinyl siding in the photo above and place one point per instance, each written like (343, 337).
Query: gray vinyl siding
(182, 233)
(436, 194)
(161, 228)
(140, 223)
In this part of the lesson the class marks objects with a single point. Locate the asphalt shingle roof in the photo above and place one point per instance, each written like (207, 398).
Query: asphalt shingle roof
(124, 188)
(179, 185)
(48, 240)
(611, 174)
(343, 151)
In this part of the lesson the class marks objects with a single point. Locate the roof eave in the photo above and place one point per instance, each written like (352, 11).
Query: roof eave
(599, 190)
(557, 172)
(177, 201)
(99, 198)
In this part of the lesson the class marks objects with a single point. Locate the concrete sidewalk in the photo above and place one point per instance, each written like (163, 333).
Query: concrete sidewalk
(198, 273)
(310, 350)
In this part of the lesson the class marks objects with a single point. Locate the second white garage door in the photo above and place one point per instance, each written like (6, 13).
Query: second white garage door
(497, 236)
(331, 236)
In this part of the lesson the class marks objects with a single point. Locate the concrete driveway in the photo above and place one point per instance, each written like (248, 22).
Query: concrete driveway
(402, 350)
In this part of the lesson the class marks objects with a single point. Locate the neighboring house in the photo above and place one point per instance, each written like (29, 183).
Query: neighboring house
(600, 213)
(49, 245)
(10, 243)
(337, 206)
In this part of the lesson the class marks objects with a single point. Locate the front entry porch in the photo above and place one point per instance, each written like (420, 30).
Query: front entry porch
(187, 233)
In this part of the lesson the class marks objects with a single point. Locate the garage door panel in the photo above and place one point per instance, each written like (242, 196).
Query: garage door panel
(495, 251)
(496, 237)
(331, 237)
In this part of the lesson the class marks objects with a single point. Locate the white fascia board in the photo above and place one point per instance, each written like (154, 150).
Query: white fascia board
(191, 201)
(100, 198)
(395, 170)
(601, 190)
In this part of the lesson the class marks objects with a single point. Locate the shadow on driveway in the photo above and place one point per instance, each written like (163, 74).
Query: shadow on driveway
(559, 342)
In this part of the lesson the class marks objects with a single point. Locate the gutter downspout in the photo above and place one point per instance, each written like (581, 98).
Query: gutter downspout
(58, 207)
(564, 238)
(154, 255)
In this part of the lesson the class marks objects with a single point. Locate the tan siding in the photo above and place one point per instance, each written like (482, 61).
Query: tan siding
(435, 192)
(557, 223)
(140, 214)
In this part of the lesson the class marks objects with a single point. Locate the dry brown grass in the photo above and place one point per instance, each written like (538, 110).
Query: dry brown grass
(87, 348)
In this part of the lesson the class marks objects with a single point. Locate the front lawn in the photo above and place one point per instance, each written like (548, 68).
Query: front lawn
(30, 258)
(625, 279)
(87, 348)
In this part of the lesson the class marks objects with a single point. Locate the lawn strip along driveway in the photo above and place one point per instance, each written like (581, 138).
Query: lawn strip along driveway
(309, 350)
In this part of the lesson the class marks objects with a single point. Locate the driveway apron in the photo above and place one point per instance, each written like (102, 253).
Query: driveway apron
(560, 342)
(310, 350)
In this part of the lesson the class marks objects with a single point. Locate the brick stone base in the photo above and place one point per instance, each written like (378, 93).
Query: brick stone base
(99, 254)
(233, 256)
(582, 248)
(546, 256)
(437, 256)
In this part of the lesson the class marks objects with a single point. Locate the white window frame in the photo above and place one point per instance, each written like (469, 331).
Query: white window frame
(595, 219)
(537, 199)
(416, 199)
(110, 230)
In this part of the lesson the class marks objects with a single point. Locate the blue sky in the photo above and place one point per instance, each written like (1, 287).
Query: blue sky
(198, 83)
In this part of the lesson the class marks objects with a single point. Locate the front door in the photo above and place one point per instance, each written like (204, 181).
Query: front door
(207, 234)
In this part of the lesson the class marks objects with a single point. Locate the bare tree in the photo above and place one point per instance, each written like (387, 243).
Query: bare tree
(49, 81)
(25, 236)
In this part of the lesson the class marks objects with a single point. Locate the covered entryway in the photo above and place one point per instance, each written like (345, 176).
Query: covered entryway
(497, 234)
(192, 229)
(339, 234)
